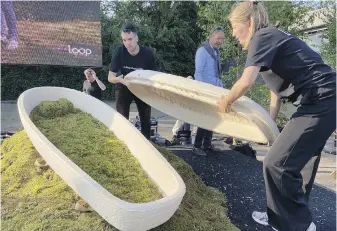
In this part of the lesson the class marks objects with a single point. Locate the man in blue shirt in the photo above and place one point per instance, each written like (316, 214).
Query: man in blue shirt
(208, 70)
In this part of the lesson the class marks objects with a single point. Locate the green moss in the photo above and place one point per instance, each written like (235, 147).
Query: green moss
(33, 201)
(95, 149)
(42, 201)
(52, 109)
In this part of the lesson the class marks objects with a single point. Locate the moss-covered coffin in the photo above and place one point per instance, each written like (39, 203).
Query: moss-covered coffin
(121, 214)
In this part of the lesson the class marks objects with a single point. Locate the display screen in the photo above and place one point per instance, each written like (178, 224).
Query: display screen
(51, 32)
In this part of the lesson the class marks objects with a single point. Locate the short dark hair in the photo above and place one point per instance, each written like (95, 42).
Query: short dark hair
(129, 27)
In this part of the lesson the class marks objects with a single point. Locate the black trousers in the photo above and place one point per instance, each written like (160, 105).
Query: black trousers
(203, 138)
(291, 164)
(124, 98)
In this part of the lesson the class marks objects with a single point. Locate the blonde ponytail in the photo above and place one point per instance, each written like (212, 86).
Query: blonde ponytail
(251, 11)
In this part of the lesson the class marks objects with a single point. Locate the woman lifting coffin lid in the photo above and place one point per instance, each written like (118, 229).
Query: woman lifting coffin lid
(291, 164)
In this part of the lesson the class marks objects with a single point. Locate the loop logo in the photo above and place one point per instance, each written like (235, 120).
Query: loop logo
(79, 51)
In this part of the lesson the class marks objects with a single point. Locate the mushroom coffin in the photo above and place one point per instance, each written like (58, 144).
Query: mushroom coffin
(195, 102)
(121, 214)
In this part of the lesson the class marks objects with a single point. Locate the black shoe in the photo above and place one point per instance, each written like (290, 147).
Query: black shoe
(212, 149)
(185, 141)
(229, 140)
(244, 149)
(175, 140)
(199, 152)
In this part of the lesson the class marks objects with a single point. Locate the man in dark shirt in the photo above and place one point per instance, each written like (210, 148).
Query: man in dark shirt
(125, 59)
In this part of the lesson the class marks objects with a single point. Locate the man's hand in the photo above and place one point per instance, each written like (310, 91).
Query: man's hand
(121, 80)
(224, 105)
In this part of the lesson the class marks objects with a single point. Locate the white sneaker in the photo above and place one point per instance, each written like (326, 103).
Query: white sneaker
(312, 227)
(262, 218)
(192, 139)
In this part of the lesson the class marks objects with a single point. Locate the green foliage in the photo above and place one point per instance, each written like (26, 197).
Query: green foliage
(17, 78)
(173, 29)
(290, 15)
(260, 93)
(328, 50)
(43, 201)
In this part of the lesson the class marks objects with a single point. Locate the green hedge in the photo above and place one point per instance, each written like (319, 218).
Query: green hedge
(15, 79)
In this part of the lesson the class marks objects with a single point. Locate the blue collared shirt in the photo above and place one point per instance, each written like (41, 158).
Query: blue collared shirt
(206, 67)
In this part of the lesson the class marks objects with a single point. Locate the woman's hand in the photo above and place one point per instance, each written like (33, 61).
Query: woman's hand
(120, 79)
(224, 105)
(239, 88)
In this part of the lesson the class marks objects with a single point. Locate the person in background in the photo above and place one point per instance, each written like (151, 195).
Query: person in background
(92, 85)
(8, 20)
(208, 70)
(181, 130)
(125, 59)
(302, 77)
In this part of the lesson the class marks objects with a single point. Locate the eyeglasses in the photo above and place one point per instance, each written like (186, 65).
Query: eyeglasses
(219, 28)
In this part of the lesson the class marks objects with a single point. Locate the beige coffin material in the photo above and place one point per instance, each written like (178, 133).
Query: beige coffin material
(195, 102)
